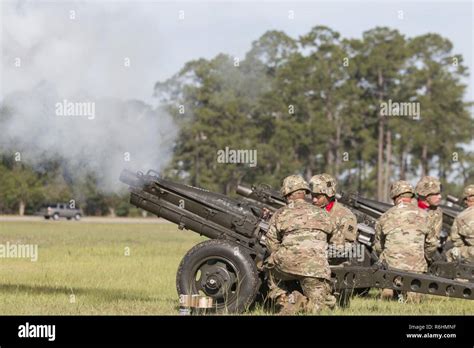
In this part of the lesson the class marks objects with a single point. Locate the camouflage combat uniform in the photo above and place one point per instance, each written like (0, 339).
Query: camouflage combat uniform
(403, 239)
(297, 241)
(402, 234)
(345, 225)
(426, 186)
(344, 220)
(462, 233)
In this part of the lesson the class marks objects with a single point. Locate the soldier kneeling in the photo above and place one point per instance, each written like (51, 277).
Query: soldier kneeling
(462, 232)
(402, 236)
(297, 240)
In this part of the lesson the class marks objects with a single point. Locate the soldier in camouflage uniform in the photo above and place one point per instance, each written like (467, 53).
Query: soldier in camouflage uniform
(297, 241)
(323, 190)
(402, 235)
(428, 191)
(462, 232)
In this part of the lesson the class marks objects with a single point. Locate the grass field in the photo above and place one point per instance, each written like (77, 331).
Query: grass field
(82, 268)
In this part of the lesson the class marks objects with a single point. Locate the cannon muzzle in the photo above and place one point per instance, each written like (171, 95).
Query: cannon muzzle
(130, 178)
(244, 190)
(452, 199)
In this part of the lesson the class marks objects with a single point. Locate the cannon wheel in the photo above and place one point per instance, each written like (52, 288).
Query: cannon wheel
(222, 270)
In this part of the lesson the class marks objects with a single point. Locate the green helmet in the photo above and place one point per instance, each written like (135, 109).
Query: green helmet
(323, 183)
(293, 183)
(468, 191)
(400, 187)
(428, 185)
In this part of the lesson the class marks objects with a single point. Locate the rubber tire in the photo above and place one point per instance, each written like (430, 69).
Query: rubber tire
(77, 217)
(55, 216)
(249, 284)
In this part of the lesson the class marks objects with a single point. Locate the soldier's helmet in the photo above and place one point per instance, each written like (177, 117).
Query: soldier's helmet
(323, 184)
(293, 183)
(400, 187)
(468, 191)
(428, 185)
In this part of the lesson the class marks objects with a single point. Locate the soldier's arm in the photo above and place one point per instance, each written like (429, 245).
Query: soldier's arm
(431, 243)
(466, 232)
(324, 221)
(332, 227)
(439, 225)
(331, 231)
(350, 228)
(463, 240)
(434, 229)
(378, 244)
(455, 236)
(272, 238)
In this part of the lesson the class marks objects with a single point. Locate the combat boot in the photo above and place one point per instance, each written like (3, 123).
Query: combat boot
(293, 304)
(413, 297)
(387, 294)
(312, 307)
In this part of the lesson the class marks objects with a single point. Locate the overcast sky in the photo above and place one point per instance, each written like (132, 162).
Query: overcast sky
(86, 54)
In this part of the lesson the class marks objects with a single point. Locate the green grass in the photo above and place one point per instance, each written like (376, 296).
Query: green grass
(88, 261)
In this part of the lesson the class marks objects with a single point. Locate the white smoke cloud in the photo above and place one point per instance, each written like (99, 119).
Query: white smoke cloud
(79, 53)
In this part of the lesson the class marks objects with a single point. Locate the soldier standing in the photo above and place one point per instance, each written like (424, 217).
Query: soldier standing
(297, 241)
(323, 191)
(402, 235)
(462, 232)
(428, 191)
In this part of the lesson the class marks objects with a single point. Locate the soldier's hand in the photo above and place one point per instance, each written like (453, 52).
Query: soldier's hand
(453, 254)
(269, 263)
(266, 213)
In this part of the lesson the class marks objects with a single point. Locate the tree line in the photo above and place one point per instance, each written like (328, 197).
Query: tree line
(318, 103)
(368, 110)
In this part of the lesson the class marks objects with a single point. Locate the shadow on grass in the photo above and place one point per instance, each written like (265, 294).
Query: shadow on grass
(106, 294)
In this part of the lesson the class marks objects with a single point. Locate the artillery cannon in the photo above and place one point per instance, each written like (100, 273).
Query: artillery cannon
(367, 211)
(454, 203)
(229, 266)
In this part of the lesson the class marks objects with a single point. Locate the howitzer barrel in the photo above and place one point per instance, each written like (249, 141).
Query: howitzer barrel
(213, 215)
(244, 191)
(372, 207)
(452, 199)
(130, 178)
(263, 195)
(366, 234)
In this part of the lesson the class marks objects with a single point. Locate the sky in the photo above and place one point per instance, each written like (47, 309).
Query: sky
(108, 52)
(86, 53)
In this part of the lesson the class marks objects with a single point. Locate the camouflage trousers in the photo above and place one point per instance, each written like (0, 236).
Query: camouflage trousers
(317, 290)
